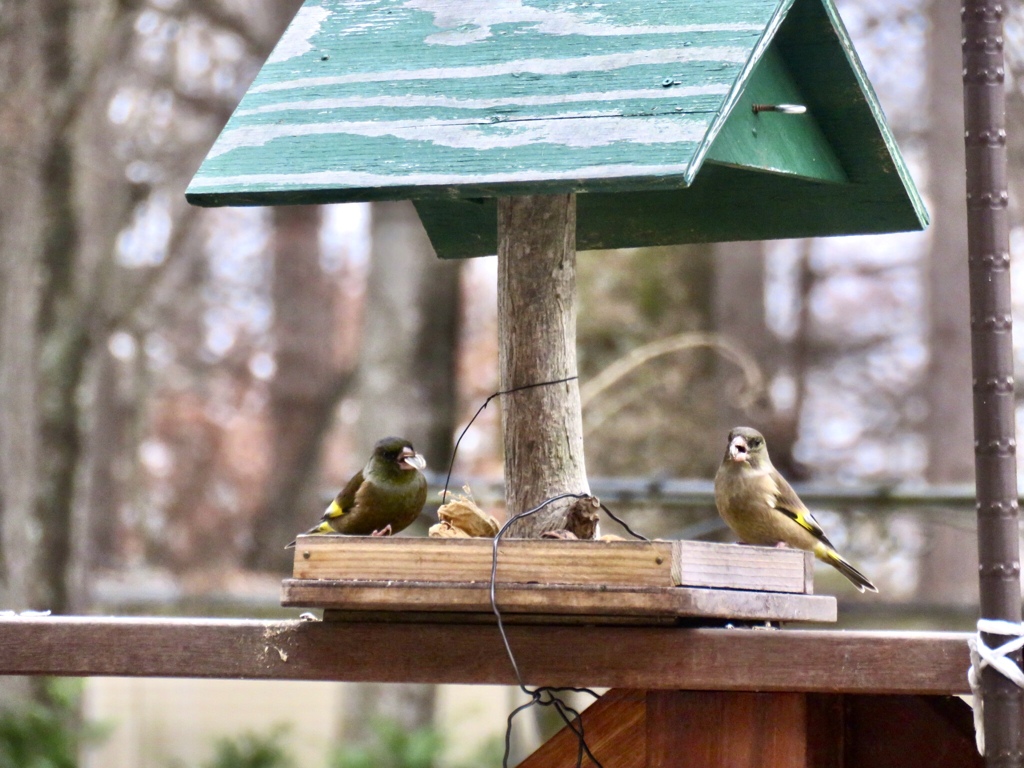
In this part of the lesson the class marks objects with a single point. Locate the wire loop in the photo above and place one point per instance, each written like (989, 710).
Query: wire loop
(543, 695)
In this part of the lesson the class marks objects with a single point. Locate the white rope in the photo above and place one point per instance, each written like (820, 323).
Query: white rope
(982, 656)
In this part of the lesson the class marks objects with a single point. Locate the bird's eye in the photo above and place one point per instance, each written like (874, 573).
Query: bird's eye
(754, 442)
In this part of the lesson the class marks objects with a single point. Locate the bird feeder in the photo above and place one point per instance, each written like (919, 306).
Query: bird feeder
(531, 129)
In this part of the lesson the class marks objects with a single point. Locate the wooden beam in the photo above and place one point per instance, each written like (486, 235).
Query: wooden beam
(633, 657)
(615, 727)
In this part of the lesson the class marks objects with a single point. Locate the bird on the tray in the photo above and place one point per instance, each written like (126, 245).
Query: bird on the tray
(762, 508)
(384, 497)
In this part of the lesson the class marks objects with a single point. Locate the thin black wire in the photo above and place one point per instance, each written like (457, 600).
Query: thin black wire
(544, 695)
(537, 695)
(455, 450)
(622, 522)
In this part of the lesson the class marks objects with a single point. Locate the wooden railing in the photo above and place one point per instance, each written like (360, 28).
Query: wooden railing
(596, 656)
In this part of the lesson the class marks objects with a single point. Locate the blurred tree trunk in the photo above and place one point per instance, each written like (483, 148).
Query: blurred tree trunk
(948, 571)
(407, 361)
(111, 415)
(37, 239)
(740, 316)
(63, 321)
(109, 411)
(305, 386)
(56, 249)
(407, 387)
(44, 338)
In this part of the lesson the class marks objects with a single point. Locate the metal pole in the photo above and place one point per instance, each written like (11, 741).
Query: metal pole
(995, 445)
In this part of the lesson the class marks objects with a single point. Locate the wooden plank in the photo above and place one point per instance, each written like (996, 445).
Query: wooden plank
(615, 731)
(558, 600)
(706, 564)
(436, 617)
(628, 657)
(615, 563)
(639, 564)
(726, 729)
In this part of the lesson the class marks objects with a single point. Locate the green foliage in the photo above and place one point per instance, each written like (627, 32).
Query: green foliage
(47, 732)
(252, 750)
(393, 746)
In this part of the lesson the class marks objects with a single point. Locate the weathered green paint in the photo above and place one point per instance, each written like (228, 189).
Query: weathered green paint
(453, 103)
(723, 204)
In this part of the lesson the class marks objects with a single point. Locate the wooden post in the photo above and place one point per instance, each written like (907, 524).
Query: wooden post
(726, 729)
(543, 426)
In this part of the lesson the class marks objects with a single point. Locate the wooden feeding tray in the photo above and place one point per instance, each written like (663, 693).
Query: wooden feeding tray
(409, 579)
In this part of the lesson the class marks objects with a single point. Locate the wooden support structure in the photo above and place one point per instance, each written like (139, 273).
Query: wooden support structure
(729, 729)
(659, 658)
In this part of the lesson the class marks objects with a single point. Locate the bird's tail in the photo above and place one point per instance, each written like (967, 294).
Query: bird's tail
(324, 526)
(833, 558)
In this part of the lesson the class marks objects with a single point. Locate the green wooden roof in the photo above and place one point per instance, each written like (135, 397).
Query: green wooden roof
(645, 104)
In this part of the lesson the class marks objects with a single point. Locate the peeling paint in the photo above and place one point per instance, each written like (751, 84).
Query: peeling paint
(580, 131)
(470, 21)
(341, 179)
(448, 102)
(554, 66)
(296, 39)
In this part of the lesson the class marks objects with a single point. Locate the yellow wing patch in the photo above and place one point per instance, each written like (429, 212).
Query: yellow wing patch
(803, 518)
(334, 511)
(806, 521)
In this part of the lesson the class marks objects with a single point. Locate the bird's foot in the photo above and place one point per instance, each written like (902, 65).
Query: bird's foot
(385, 531)
(781, 545)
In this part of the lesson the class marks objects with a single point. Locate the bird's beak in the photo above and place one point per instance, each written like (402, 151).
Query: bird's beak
(409, 459)
(738, 449)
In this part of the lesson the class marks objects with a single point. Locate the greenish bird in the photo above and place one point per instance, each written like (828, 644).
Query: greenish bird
(762, 508)
(382, 498)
